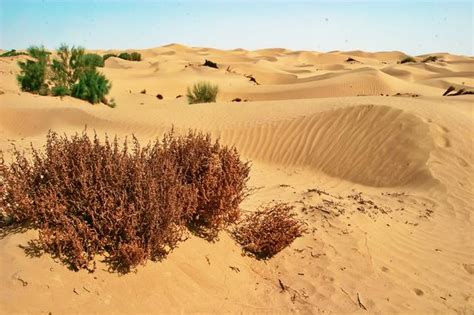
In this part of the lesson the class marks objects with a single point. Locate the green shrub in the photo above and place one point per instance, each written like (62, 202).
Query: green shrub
(60, 90)
(408, 59)
(33, 73)
(12, 53)
(107, 56)
(125, 56)
(32, 76)
(39, 53)
(92, 86)
(93, 60)
(72, 72)
(135, 56)
(202, 92)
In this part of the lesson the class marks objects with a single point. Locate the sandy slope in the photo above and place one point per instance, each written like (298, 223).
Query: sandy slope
(409, 250)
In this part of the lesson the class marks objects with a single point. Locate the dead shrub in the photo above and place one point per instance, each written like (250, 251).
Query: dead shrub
(268, 230)
(219, 177)
(88, 197)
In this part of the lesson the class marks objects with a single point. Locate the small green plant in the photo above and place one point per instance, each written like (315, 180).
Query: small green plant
(408, 59)
(33, 73)
(93, 60)
(60, 90)
(202, 92)
(107, 56)
(92, 86)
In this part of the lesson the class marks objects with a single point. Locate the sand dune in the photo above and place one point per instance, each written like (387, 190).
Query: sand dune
(314, 121)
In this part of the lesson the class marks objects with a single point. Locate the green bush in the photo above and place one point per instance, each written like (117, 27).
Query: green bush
(92, 86)
(12, 53)
(125, 56)
(107, 56)
(39, 53)
(68, 67)
(32, 76)
(202, 92)
(60, 90)
(136, 56)
(93, 60)
(33, 73)
(408, 59)
(72, 72)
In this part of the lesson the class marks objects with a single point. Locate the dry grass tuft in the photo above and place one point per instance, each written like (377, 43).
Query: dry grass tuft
(88, 197)
(267, 231)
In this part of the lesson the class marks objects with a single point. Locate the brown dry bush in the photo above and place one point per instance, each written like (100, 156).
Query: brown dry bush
(88, 197)
(268, 230)
(219, 177)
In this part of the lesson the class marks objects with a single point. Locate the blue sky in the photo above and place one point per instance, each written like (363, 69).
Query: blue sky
(415, 27)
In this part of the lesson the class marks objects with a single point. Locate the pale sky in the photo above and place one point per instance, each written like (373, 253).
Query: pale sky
(415, 27)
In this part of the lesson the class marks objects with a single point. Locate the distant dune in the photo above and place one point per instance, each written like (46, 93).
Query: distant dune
(319, 129)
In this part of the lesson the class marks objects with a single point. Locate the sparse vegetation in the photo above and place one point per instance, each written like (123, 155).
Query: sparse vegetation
(73, 73)
(430, 59)
(134, 56)
(93, 60)
(112, 103)
(408, 59)
(125, 56)
(268, 230)
(60, 90)
(107, 56)
(88, 197)
(202, 92)
(13, 53)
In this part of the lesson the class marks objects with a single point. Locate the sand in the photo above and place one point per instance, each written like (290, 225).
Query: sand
(318, 130)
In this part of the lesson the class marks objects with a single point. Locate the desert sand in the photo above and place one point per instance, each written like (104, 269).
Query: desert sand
(383, 182)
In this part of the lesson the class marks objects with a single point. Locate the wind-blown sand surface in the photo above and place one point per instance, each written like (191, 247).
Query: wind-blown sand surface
(318, 130)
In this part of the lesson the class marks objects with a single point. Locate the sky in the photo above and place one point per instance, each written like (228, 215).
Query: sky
(415, 27)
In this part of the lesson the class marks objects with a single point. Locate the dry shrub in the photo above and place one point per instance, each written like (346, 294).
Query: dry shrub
(268, 230)
(88, 197)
